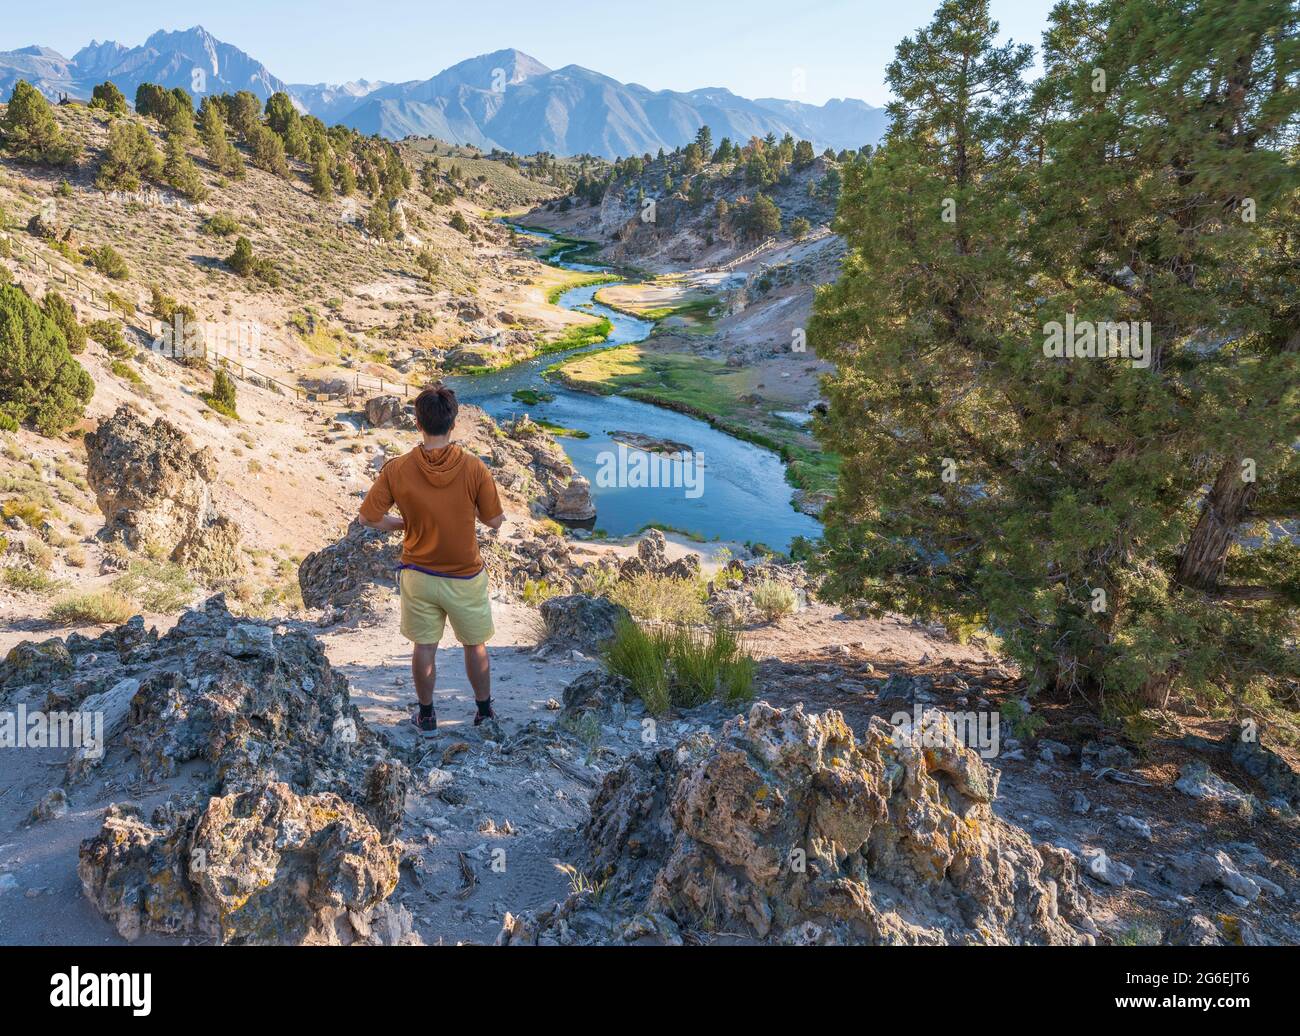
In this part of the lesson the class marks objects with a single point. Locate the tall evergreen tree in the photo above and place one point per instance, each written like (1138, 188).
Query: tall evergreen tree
(1091, 510)
(30, 131)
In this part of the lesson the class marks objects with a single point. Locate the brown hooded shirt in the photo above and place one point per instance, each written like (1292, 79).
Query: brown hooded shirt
(438, 494)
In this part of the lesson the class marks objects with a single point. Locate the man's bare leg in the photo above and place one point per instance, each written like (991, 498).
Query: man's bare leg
(479, 670)
(424, 670)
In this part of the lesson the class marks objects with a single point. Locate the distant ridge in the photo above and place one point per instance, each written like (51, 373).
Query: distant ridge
(505, 99)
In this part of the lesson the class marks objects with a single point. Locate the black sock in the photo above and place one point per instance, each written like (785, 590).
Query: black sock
(484, 707)
(426, 711)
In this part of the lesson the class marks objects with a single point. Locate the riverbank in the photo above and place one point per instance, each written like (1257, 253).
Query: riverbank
(672, 303)
(712, 391)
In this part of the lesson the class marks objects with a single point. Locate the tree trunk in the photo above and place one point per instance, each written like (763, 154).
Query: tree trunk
(1201, 565)
(1226, 507)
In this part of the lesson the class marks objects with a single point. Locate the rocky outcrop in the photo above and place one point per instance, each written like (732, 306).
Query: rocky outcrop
(388, 412)
(581, 620)
(652, 559)
(290, 835)
(1274, 774)
(32, 662)
(527, 460)
(264, 866)
(791, 830)
(154, 487)
(573, 501)
(650, 443)
(511, 563)
(353, 574)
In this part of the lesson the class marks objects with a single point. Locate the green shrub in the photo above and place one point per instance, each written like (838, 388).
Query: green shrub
(101, 607)
(538, 590)
(31, 580)
(598, 581)
(106, 260)
(222, 396)
(119, 303)
(221, 224)
(774, 599)
(180, 171)
(131, 157)
(127, 373)
(107, 97)
(641, 658)
(708, 665)
(160, 586)
(108, 333)
(39, 379)
(683, 668)
(28, 511)
(662, 598)
(58, 309)
(243, 262)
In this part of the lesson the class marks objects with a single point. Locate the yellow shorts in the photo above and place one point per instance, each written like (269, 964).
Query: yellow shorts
(429, 601)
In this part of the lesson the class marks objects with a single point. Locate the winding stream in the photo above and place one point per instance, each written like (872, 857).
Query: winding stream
(744, 495)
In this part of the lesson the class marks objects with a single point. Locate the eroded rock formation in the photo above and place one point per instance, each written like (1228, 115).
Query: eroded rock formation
(789, 829)
(154, 487)
(289, 835)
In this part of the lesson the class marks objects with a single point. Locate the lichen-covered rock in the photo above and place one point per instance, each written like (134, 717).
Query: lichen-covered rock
(1275, 774)
(290, 839)
(513, 562)
(352, 574)
(264, 866)
(582, 620)
(211, 550)
(154, 487)
(259, 708)
(31, 662)
(596, 690)
(1198, 781)
(790, 829)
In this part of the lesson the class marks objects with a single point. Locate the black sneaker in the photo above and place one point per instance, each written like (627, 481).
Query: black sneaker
(427, 726)
(479, 717)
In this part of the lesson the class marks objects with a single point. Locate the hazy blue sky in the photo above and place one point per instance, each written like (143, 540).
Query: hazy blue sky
(752, 47)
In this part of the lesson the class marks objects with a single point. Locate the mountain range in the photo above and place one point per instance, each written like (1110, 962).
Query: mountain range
(505, 99)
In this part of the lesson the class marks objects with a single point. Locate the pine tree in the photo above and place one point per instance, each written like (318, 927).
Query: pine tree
(107, 97)
(180, 171)
(241, 260)
(221, 153)
(1089, 510)
(30, 131)
(40, 382)
(347, 178)
(704, 141)
(131, 157)
(322, 184)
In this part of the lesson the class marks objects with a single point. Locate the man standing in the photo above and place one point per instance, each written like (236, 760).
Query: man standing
(439, 490)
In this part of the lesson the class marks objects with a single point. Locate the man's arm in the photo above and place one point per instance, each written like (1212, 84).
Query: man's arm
(388, 523)
(378, 502)
(487, 502)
